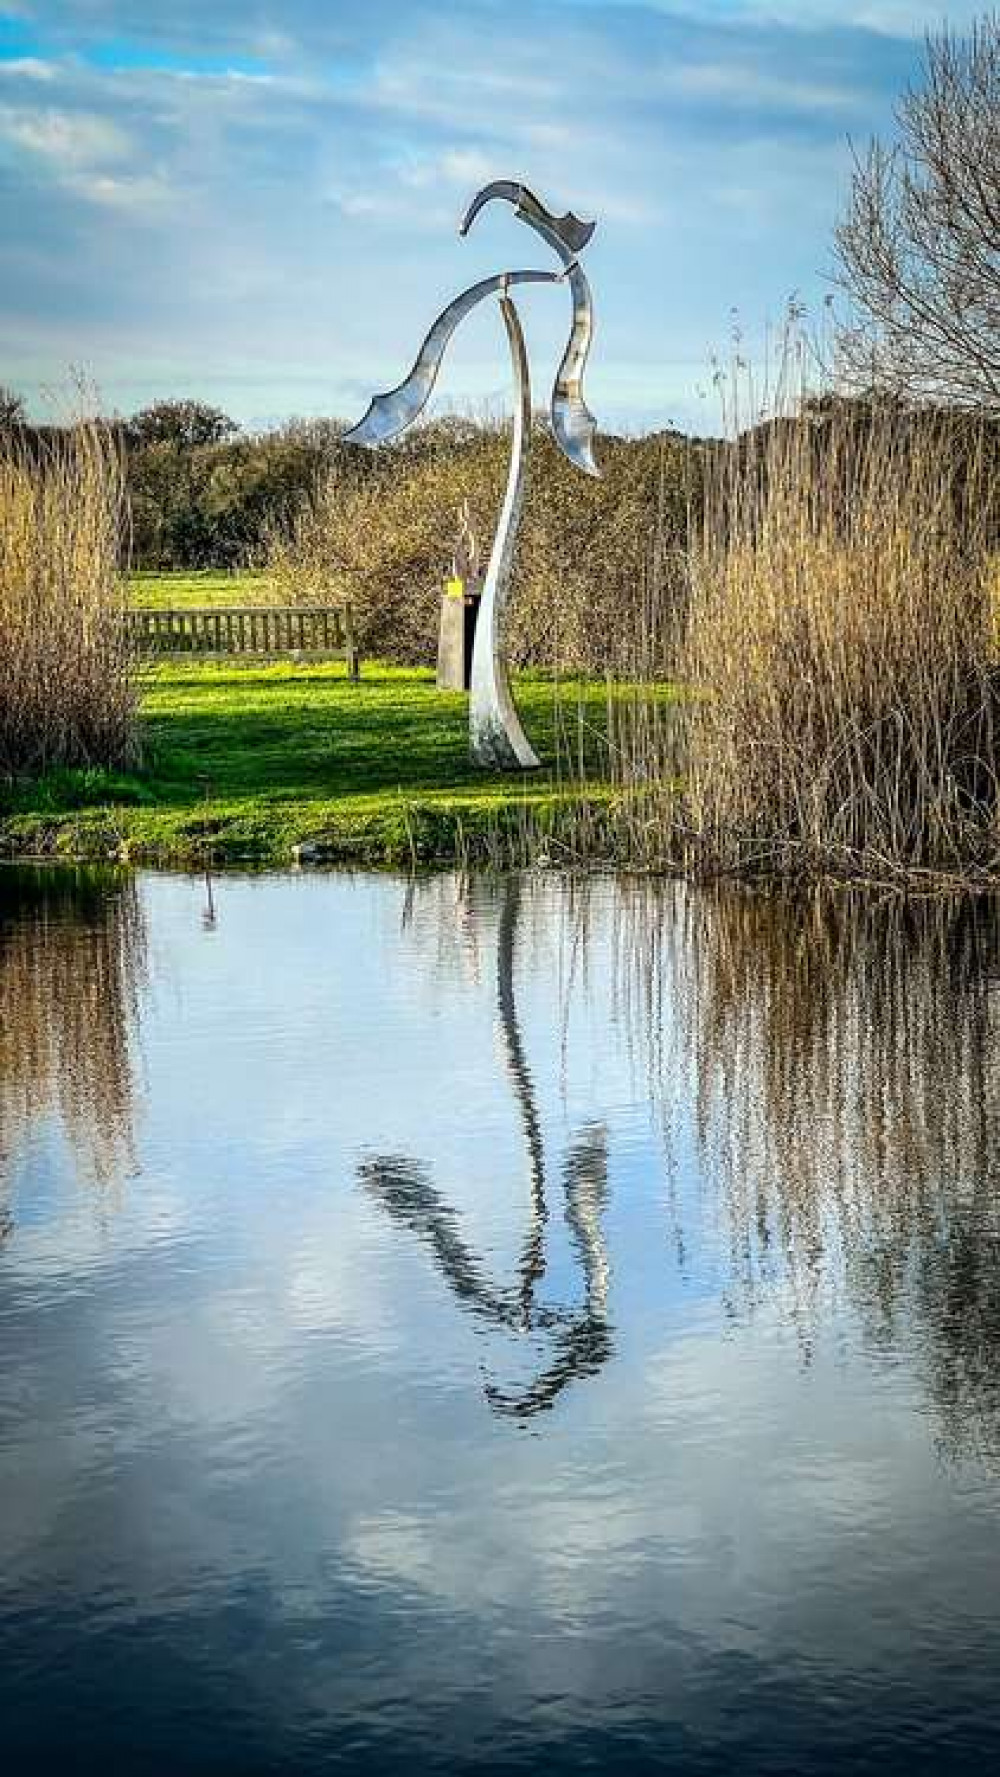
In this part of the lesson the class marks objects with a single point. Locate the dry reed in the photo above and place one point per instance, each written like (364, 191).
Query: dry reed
(833, 631)
(67, 685)
(841, 647)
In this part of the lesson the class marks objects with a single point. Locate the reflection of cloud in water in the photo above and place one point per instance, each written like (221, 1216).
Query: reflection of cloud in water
(569, 1343)
(71, 962)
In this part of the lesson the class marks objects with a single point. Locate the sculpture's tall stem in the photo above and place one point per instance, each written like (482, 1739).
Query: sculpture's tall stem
(533, 1256)
(496, 738)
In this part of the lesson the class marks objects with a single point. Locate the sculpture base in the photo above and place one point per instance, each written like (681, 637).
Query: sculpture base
(456, 638)
(493, 747)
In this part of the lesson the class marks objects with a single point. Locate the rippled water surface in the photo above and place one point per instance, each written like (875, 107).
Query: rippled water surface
(505, 1325)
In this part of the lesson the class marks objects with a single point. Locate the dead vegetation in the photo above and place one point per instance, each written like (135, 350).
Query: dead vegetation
(67, 686)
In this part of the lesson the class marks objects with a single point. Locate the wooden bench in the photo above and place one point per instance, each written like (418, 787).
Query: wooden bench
(313, 632)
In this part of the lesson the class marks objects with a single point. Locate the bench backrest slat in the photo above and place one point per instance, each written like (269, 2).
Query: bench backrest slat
(314, 630)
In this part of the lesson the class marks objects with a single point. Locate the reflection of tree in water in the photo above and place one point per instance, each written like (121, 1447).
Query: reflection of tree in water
(71, 960)
(848, 1099)
(577, 1340)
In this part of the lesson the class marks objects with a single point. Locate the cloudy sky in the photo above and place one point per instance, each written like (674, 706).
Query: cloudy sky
(254, 201)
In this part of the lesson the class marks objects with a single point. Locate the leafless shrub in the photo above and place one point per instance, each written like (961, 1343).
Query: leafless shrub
(588, 554)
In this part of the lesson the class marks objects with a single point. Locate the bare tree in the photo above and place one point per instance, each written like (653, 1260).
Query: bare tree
(919, 245)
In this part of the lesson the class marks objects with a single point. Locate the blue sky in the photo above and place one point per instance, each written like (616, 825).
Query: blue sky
(256, 202)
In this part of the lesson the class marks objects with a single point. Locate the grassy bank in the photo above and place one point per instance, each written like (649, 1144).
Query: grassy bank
(256, 760)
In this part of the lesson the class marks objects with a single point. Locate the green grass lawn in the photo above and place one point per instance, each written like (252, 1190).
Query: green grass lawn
(249, 760)
(178, 591)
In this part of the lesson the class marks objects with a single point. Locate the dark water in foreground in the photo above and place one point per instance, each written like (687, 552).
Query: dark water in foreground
(496, 1326)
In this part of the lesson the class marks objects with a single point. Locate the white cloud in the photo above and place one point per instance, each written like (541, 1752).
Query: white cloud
(465, 166)
(884, 18)
(889, 18)
(225, 76)
(70, 140)
(448, 166)
(27, 68)
(88, 155)
(133, 192)
(753, 86)
(450, 92)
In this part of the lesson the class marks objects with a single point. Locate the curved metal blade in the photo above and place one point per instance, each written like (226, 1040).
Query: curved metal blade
(568, 234)
(573, 424)
(572, 421)
(392, 412)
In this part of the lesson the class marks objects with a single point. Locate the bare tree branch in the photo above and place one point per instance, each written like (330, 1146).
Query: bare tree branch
(919, 245)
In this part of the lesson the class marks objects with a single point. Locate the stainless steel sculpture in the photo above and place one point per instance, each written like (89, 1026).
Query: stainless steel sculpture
(496, 737)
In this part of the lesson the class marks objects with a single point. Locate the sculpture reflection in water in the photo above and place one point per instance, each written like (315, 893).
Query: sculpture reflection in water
(72, 956)
(577, 1340)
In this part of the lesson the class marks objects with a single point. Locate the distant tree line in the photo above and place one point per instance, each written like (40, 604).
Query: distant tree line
(202, 492)
(206, 494)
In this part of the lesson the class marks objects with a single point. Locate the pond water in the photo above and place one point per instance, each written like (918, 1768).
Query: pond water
(496, 1325)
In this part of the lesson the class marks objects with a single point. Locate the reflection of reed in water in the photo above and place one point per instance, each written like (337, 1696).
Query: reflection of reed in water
(577, 1340)
(844, 1054)
(71, 962)
(847, 1078)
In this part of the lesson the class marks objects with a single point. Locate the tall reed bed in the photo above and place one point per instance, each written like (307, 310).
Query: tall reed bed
(833, 626)
(841, 646)
(67, 681)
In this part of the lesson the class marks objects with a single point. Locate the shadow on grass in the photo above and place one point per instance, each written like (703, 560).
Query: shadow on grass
(244, 762)
(287, 737)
